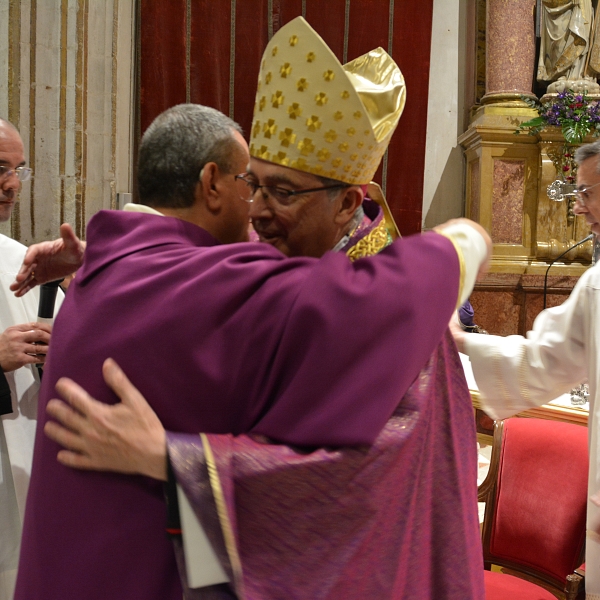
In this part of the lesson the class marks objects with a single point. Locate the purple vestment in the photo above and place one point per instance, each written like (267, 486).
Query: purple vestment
(220, 339)
(395, 520)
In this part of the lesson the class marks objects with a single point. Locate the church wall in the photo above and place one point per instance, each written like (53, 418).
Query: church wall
(443, 185)
(209, 57)
(66, 82)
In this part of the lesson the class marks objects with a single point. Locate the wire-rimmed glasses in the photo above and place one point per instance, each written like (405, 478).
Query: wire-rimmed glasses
(22, 173)
(281, 195)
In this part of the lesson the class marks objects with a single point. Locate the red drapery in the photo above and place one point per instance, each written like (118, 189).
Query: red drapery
(208, 51)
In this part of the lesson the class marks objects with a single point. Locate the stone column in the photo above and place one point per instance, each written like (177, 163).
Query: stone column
(510, 51)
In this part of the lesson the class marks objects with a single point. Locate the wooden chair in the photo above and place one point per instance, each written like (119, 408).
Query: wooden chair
(536, 496)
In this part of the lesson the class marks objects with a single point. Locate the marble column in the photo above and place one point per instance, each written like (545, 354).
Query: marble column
(510, 51)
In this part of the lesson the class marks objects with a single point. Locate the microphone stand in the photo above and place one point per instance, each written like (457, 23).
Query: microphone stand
(583, 241)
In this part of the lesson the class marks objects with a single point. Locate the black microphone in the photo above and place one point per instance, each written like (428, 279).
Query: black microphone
(47, 299)
(583, 241)
(48, 293)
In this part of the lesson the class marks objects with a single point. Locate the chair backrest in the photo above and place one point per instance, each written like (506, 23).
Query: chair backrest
(536, 497)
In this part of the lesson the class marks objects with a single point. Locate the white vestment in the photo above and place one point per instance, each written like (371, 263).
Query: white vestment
(515, 373)
(17, 429)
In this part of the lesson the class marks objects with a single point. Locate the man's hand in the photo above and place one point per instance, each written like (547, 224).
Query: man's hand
(24, 344)
(49, 261)
(126, 437)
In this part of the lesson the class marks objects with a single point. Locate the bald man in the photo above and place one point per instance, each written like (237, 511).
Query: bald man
(23, 343)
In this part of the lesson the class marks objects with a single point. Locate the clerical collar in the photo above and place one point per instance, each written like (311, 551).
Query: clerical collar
(141, 208)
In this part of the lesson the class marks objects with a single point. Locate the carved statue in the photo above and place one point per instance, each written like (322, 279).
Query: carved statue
(568, 31)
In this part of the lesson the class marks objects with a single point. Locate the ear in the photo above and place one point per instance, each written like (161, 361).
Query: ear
(207, 190)
(350, 201)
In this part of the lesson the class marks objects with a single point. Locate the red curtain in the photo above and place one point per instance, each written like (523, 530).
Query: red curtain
(198, 51)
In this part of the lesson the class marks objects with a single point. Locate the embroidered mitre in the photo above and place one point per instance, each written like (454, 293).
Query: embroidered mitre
(314, 114)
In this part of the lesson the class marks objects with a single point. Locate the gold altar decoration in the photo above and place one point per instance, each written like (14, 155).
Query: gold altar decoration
(506, 192)
(557, 226)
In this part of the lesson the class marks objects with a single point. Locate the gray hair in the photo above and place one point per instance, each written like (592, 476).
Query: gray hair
(327, 181)
(588, 151)
(175, 148)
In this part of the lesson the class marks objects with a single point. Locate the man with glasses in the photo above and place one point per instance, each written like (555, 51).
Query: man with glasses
(240, 338)
(23, 344)
(559, 353)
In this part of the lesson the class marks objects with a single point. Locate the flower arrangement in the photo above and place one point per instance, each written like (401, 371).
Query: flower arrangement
(576, 114)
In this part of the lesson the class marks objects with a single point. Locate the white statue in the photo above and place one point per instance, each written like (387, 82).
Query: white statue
(567, 31)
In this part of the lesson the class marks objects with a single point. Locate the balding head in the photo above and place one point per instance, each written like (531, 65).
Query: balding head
(175, 148)
(4, 124)
(11, 156)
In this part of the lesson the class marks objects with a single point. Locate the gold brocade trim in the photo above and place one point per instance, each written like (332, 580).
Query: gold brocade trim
(371, 244)
(461, 263)
(226, 527)
(375, 192)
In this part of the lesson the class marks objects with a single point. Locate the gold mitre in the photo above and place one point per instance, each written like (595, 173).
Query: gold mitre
(316, 115)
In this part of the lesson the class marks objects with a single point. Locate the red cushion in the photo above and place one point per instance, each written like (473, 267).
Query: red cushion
(541, 499)
(499, 586)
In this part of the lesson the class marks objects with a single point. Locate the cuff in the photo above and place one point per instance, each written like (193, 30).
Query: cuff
(472, 252)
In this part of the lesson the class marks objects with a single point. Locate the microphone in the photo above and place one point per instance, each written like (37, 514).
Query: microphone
(47, 299)
(46, 307)
(583, 241)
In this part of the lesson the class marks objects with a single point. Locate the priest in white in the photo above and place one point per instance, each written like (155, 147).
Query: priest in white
(23, 345)
(515, 373)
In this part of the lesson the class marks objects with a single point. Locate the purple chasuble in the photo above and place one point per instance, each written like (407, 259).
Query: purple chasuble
(344, 524)
(220, 339)
(396, 520)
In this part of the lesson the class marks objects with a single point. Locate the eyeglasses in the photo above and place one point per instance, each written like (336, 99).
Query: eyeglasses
(583, 194)
(279, 194)
(22, 173)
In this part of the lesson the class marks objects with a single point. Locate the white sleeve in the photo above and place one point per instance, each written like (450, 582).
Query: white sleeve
(472, 253)
(515, 373)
